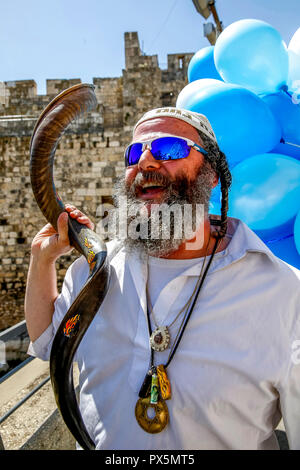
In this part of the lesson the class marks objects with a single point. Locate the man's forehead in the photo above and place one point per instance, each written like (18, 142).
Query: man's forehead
(165, 125)
(196, 120)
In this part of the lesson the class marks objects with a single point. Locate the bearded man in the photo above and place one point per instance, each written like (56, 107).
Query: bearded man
(192, 347)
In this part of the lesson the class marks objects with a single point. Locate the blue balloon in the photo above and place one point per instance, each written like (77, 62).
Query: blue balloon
(252, 53)
(265, 194)
(244, 125)
(202, 65)
(215, 201)
(287, 111)
(187, 94)
(297, 232)
(287, 149)
(285, 249)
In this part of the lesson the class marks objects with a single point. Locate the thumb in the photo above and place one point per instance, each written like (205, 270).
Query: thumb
(62, 228)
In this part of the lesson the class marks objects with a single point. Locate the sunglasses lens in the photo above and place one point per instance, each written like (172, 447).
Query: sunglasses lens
(133, 153)
(169, 148)
(163, 148)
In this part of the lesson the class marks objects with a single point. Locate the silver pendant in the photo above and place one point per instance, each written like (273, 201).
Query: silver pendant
(160, 338)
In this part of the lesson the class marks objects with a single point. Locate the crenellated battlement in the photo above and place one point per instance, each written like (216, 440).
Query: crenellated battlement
(89, 156)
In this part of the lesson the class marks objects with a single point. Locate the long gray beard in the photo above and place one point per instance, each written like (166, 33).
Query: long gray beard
(178, 194)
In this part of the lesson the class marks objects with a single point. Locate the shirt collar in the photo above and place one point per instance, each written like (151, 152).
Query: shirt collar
(243, 241)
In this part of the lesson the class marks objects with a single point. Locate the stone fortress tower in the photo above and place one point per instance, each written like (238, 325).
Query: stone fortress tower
(88, 159)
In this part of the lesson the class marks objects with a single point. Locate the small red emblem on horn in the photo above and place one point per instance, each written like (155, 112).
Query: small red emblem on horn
(71, 326)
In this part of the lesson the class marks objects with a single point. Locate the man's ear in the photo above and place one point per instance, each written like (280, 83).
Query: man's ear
(215, 180)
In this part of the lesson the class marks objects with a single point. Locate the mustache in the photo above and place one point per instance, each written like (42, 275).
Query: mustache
(148, 177)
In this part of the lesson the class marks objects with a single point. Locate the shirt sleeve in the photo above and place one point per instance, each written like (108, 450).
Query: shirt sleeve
(290, 404)
(74, 280)
(289, 389)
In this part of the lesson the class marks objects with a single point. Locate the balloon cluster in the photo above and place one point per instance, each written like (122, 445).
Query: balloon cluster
(247, 86)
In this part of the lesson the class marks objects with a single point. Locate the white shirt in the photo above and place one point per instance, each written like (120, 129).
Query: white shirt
(161, 271)
(232, 376)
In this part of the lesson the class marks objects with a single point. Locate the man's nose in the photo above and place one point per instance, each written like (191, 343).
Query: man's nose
(147, 161)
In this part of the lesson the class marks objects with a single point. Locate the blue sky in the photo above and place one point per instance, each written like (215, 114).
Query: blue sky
(85, 38)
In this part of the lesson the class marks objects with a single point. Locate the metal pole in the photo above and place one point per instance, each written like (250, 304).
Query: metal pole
(212, 8)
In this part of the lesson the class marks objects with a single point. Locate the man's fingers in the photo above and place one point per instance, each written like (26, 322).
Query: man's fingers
(70, 207)
(62, 228)
(86, 221)
(75, 213)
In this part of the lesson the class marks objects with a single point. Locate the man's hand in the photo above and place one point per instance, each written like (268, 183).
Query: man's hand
(41, 289)
(48, 244)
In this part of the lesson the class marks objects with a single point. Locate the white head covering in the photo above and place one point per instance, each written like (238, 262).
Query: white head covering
(199, 121)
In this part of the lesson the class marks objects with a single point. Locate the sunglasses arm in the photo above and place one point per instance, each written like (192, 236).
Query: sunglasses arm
(200, 149)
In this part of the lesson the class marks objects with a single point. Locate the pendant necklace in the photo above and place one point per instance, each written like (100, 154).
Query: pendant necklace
(156, 387)
(160, 337)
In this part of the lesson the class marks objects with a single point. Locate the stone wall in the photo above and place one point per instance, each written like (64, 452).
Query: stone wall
(89, 156)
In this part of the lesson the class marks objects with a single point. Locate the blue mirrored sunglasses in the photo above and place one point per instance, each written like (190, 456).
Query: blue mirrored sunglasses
(162, 148)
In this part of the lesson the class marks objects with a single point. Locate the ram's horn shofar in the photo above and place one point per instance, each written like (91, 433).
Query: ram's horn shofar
(65, 108)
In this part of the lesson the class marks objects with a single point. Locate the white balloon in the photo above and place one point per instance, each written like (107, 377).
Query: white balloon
(294, 70)
(294, 44)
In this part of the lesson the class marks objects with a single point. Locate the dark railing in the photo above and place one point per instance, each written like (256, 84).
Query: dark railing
(16, 369)
(17, 405)
(16, 355)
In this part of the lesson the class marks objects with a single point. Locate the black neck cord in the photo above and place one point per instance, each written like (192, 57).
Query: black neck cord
(188, 316)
